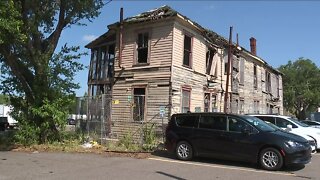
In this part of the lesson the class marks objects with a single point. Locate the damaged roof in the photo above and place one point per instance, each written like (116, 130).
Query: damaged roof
(166, 12)
(162, 13)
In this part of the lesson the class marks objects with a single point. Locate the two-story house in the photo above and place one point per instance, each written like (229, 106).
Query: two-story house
(160, 62)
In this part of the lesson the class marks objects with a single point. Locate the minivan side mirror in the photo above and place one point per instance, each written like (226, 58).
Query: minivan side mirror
(289, 127)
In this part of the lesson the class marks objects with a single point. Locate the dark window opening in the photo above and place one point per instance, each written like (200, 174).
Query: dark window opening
(139, 104)
(268, 82)
(111, 56)
(187, 53)
(142, 50)
(209, 59)
(255, 80)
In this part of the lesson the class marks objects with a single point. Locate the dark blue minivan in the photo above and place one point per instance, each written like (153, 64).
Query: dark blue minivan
(234, 137)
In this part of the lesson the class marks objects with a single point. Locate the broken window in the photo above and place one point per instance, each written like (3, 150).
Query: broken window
(186, 92)
(255, 80)
(209, 60)
(187, 50)
(139, 104)
(142, 49)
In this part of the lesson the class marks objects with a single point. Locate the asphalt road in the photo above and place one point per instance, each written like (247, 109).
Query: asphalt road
(17, 165)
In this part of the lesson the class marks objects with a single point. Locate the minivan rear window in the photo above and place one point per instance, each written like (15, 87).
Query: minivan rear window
(187, 121)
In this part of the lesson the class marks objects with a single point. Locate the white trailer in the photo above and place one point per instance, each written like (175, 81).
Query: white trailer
(5, 113)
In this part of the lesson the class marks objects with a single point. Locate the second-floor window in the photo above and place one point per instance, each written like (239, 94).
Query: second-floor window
(241, 79)
(278, 86)
(187, 51)
(142, 47)
(268, 82)
(209, 60)
(255, 77)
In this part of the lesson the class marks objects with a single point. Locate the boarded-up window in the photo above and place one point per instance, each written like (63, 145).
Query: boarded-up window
(186, 92)
(241, 71)
(187, 51)
(142, 49)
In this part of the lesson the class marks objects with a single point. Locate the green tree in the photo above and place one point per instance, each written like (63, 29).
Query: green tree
(36, 76)
(301, 87)
(4, 99)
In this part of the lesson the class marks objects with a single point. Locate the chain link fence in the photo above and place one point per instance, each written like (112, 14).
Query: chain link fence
(106, 118)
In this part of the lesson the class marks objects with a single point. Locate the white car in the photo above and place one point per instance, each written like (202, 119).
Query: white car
(292, 125)
(311, 141)
(315, 124)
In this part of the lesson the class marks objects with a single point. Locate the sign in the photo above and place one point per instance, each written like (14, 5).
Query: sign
(115, 101)
(162, 111)
(129, 98)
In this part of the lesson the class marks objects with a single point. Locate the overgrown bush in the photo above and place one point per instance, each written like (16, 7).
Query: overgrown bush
(149, 137)
(126, 143)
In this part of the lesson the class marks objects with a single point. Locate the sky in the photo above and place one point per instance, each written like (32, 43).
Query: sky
(285, 30)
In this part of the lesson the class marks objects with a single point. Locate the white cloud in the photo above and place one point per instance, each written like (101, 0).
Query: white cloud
(89, 37)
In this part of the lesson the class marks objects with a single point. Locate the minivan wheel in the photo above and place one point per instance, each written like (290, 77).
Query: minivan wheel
(184, 151)
(270, 159)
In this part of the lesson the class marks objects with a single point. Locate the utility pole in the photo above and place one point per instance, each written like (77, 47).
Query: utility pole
(226, 109)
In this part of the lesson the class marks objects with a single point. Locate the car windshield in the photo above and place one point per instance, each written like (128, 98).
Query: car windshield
(298, 122)
(260, 124)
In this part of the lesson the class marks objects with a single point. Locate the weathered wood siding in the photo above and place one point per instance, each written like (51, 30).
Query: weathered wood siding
(249, 94)
(155, 77)
(193, 77)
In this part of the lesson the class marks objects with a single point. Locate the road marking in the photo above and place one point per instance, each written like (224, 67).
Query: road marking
(222, 167)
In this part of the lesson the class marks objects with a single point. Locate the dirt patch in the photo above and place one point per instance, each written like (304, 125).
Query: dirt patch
(101, 151)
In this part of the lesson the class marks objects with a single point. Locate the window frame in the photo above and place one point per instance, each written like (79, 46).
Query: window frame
(241, 69)
(255, 77)
(136, 48)
(186, 89)
(145, 102)
(190, 60)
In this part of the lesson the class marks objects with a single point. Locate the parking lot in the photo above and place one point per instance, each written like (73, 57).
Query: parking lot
(17, 165)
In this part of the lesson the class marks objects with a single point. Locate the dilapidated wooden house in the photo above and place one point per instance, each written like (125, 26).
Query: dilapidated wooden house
(160, 62)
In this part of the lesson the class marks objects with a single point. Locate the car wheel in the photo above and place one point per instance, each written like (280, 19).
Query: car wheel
(271, 159)
(184, 151)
